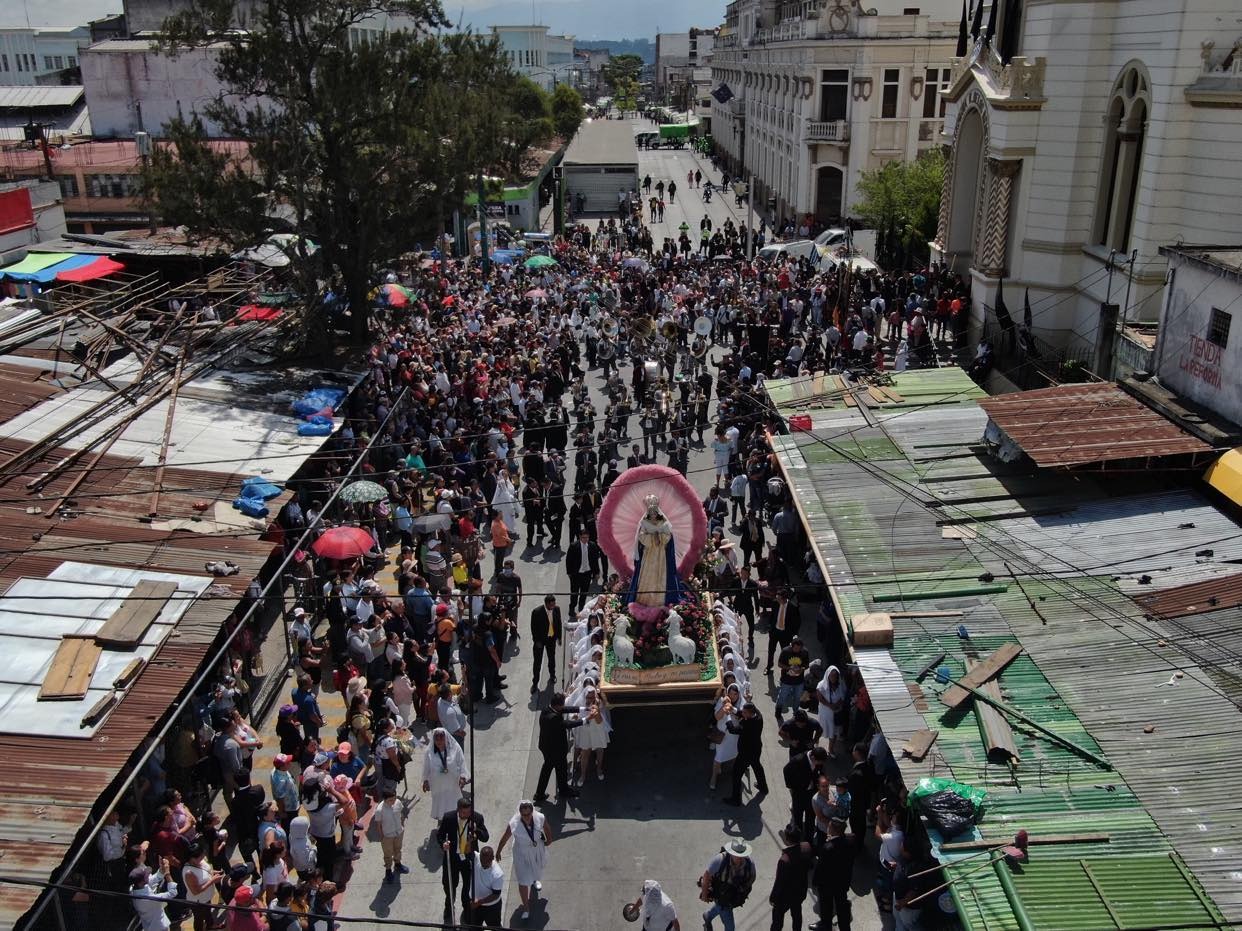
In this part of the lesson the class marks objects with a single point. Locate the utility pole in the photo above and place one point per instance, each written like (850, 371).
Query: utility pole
(487, 261)
(142, 142)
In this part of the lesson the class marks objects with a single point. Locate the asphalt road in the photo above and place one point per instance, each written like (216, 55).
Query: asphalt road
(654, 816)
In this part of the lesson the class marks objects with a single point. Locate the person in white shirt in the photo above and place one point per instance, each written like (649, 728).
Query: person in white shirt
(391, 820)
(489, 882)
(112, 840)
(148, 896)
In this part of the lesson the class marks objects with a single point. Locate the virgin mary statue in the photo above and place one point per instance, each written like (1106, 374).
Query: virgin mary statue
(655, 582)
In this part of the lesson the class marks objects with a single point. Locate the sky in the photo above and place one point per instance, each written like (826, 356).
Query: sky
(587, 19)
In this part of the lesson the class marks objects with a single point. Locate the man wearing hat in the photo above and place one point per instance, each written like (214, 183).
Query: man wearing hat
(726, 883)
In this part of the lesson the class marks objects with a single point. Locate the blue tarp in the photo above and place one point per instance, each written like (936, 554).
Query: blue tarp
(261, 488)
(317, 399)
(46, 275)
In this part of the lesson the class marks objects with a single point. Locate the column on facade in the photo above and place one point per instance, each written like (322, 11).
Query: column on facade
(993, 238)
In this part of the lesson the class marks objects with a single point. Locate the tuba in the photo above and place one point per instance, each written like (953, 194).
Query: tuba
(606, 349)
(669, 330)
(610, 328)
(698, 348)
(642, 329)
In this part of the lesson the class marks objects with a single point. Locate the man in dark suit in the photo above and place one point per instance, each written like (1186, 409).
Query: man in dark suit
(545, 635)
(460, 833)
(801, 774)
(582, 562)
(554, 730)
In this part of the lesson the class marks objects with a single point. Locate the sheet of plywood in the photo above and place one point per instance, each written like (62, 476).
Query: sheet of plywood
(72, 667)
(125, 628)
(988, 669)
(919, 743)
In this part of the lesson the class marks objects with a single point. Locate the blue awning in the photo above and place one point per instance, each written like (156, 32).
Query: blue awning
(48, 274)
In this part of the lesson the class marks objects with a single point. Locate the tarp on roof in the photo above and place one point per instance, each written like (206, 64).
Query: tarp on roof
(49, 273)
(100, 267)
(35, 262)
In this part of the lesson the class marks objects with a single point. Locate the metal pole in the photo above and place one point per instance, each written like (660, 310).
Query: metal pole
(487, 261)
(1125, 308)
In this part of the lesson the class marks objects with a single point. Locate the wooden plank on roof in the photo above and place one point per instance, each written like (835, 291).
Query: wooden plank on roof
(988, 669)
(72, 668)
(919, 744)
(127, 625)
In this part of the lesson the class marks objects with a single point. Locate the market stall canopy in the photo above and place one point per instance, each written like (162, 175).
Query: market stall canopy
(1225, 475)
(37, 268)
(275, 251)
(101, 267)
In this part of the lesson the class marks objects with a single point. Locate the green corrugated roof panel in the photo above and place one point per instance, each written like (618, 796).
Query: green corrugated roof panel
(1056, 792)
(844, 449)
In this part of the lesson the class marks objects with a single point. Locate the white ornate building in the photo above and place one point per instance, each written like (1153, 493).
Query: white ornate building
(825, 90)
(1084, 130)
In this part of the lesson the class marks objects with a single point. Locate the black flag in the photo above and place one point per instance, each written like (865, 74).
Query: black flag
(992, 21)
(961, 33)
(1002, 312)
(722, 94)
(977, 26)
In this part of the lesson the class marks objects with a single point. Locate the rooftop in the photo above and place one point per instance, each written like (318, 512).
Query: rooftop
(603, 142)
(1074, 425)
(910, 516)
(32, 98)
(1227, 259)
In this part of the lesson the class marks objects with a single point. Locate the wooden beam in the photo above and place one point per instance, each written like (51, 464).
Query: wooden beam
(990, 668)
(128, 623)
(168, 425)
(69, 677)
(919, 744)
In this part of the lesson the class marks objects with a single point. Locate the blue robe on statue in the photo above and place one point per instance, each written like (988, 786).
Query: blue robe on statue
(675, 591)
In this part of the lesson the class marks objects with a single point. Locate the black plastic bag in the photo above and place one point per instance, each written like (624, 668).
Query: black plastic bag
(948, 812)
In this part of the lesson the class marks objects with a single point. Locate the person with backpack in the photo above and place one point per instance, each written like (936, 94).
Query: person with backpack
(726, 883)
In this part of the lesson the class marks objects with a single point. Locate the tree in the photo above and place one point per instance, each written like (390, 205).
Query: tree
(527, 122)
(901, 201)
(621, 70)
(344, 137)
(567, 111)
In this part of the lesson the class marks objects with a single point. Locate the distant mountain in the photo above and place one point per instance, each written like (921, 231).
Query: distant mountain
(642, 47)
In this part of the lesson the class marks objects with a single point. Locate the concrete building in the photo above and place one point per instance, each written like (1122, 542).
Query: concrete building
(677, 55)
(1197, 353)
(823, 93)
(131, 86)
(30, 212)
(41, 56)
(545, 58)
(1086, 136)
(591, 63)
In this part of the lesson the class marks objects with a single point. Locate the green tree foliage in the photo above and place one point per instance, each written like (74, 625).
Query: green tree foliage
(527, 122)
(567, 111)
(622, 69)
(349, 140)
(902, 202)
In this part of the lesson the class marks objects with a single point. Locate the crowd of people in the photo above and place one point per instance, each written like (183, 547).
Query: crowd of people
(485, 434)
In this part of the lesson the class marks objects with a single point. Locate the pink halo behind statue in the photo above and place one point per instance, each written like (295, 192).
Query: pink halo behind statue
(623, 508)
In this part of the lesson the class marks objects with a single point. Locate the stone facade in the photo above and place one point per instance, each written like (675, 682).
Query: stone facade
(1109, 132)
(825, 90)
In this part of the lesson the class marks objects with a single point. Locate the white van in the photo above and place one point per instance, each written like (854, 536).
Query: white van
(798, 249)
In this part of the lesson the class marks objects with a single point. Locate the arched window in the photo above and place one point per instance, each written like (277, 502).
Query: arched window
(1125, 129)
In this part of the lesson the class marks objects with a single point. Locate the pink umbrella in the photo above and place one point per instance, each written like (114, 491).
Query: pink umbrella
(624, 508)
(536, 292)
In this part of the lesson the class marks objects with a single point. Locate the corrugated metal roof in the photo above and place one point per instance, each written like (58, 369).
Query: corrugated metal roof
(1095, 668)
(1195, 598)
(602, 142)
(1079, 424)
(29, 98)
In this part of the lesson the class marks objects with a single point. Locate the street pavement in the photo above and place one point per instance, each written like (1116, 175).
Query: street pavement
(654, 817)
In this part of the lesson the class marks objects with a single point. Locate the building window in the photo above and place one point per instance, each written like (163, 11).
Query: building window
(73, 62)
(1125, 133)
(109, 185)
(834, 94)
(934, 87)
(4, 62)
(68, 185)
(47, 62)
(58, 62)
(888, 102)
(1218, 328)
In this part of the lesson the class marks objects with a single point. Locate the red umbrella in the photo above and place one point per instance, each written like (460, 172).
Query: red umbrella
(343, 543)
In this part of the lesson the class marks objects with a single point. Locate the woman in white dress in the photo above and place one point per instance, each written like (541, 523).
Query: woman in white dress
(531, 836)
(504, 500)
(728, 706)
(592, 737)
(831, 694)
(444, 773)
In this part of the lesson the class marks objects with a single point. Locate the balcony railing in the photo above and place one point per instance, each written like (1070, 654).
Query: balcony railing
(827, 131)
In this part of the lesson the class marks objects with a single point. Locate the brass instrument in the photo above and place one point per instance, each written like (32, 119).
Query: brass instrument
(642, 329)
(610, 328)
(698, 348)
(669, 330)
(606, 349)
